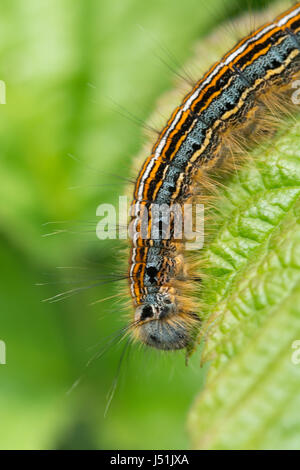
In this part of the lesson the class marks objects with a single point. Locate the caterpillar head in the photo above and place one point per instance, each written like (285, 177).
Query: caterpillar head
(160, 324)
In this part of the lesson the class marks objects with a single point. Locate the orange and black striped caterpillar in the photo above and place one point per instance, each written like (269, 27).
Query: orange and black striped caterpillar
(226, 111)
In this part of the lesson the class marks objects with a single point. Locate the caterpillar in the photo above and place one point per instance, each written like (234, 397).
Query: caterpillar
(224, 113)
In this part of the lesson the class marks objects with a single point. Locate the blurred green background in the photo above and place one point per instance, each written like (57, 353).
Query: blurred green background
(65, 63)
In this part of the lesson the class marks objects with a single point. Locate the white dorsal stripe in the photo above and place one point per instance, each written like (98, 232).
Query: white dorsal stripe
(194, 96)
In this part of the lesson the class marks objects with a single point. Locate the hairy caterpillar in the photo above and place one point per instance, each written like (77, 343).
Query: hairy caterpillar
(226, 111)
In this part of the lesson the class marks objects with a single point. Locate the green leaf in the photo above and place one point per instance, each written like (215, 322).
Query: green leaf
(251, 399)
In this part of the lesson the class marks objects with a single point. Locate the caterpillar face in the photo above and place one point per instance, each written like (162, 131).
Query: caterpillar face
(162, 326)
(164, 335)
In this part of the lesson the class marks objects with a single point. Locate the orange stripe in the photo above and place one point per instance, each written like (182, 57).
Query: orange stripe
(141, 249)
